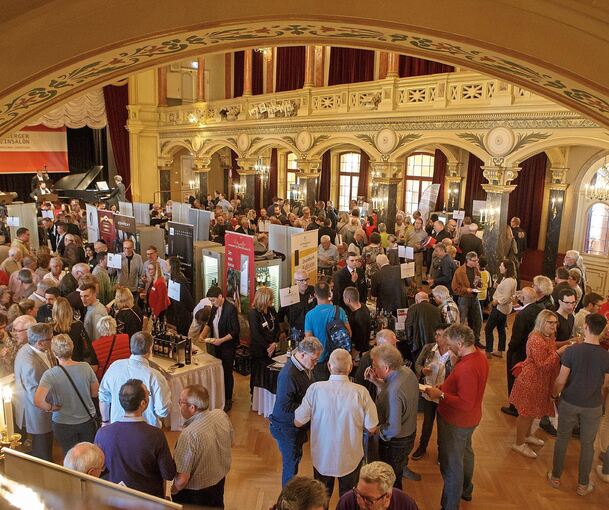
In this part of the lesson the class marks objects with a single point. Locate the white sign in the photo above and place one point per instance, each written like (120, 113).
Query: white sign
(48, 214)
(289, 296)
(115, 260)
(407, 270)
(12, 221)
(173, 290)
(458, 215)
(402, 251)
(409, 253)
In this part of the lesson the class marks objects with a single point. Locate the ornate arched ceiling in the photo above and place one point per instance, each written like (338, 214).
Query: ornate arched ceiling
(54, 49)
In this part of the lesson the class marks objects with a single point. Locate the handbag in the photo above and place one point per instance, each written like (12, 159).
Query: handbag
(517, 368)
(96, 419)
(109, 355)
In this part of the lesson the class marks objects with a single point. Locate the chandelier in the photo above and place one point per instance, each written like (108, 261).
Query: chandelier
(600, 189)
(262, 170)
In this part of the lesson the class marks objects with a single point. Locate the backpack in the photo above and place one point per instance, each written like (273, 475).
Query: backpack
(337, 336)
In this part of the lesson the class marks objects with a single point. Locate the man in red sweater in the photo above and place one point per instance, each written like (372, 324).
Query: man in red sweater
(459, 413)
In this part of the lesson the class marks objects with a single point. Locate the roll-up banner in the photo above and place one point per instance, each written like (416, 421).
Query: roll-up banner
(33, 148)
(303, 251)
(107, 230)
(239, 269)
(181, 245)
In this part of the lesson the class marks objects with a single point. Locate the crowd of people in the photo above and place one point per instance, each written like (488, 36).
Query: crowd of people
(75, 334)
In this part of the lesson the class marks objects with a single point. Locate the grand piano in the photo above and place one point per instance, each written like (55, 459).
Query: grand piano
(76, 186)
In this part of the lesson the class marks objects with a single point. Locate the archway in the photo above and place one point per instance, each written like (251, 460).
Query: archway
(464, 33)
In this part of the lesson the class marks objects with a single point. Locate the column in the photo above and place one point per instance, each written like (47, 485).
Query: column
(495, 224)
(383, 64)
(202, 166)
(393, 65)
(164, 166)
(270, 75)
(320, 59)
(309, 79)
(309, 179)
(247, 189)
(201, 79)
(228, 85)
(247, 72)
(162, 85)
(384, 192)
(557, 195)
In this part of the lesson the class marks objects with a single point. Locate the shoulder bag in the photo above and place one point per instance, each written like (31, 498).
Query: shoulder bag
(96, 419)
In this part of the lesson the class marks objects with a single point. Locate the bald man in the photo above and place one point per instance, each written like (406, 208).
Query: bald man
(517, 348)
(388, 287)
(339, 412)
(85, 458)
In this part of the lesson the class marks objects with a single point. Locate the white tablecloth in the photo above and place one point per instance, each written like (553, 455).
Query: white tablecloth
(204, 370)
(263, 401)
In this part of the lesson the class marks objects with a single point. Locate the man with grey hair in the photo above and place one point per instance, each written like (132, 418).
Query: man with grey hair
(327, 255)
(387, 286)
(85, 458)
(448, 308)
(397, 404)
(384, 336)
(295, 314)
(203, 450)
(303, 493)
(375, 489)
(38, 295)
(69, 283)
(292, 384)
(132, 267)
(339, 412)
(12, 263)
(56, 272)
(31, 362)
(136, 366)
(571, 261)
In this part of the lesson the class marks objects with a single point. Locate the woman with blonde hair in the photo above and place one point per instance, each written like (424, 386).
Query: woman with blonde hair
(110, 346)
(264, 333)
(154, 293)
(543, 287)
(72, 387)
(24, 307)
(64, 323)
(532, 391)
(129, 317)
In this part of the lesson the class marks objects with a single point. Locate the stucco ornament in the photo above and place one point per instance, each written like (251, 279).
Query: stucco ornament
(500, 141)
(243, 142)
(304, 141)
(386, 140)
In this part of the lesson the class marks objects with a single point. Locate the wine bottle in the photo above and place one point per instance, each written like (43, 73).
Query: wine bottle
(188, 352)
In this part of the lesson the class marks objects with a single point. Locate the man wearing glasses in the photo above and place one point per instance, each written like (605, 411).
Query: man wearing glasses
(375, 491)
(132, 268)
(295, 313)
(465, 284)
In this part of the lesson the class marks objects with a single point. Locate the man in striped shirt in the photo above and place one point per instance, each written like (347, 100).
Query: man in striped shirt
(203, 451)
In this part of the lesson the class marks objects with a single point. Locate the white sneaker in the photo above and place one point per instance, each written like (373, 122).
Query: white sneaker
(523, 449)
(601, 475)
(534, 440)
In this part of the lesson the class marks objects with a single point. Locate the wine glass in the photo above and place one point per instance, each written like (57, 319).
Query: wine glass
(76, 315)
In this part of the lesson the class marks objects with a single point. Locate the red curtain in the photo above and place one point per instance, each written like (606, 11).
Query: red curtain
(271, 189)
(439, 172)
(413, 66)
(362, 186)
(325, 179)
(290, 68)
(116, 100)
(473, 184)
(238, 58)
(350, 65)
(527, 198)
(257, 73)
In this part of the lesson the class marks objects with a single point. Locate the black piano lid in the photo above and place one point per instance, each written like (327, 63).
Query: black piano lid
(78, 181)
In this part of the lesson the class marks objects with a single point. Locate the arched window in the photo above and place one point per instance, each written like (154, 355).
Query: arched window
(597, 230)
(419, 174)
(291, 177)
(348, 179)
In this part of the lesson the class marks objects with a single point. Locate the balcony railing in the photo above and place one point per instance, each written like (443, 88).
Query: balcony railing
(452, 92)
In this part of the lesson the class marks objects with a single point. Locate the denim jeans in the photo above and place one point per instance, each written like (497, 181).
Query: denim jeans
(69, 435)
(395, 452)
(345, 483)
(496, 320)
(471, 313)
(456, 463)
(589, 419)
(289, 440)
(429, 416)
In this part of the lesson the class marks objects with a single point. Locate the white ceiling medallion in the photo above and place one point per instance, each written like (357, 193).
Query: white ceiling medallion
(499, 141)
(304, 140)
(386, 140)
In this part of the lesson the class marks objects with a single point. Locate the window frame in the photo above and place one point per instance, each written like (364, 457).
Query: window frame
(350, 176)
(420, 179)
(603, 229)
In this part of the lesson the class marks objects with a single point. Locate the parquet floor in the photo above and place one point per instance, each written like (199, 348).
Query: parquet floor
(504, 480)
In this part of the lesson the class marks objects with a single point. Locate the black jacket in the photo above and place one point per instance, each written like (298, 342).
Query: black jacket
(522, 327)
(421, 323)
(296, 313)
(470, 242)
(229, 323)
(264, 330)
(388, 288)
(180, 312)
(342, 280)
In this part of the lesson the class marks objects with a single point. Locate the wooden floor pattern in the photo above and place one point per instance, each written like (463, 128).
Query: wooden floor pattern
(503, 480)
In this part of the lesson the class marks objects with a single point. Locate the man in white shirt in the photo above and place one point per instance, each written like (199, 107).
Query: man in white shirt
(339, 412)
(135, 367)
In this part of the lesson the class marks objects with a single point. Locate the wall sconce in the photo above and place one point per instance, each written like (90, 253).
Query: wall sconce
(554, 207)
(267, 53)
(238, 188)
(452, 197)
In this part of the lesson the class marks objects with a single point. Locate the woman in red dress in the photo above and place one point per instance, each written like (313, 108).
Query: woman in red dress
(532, 391)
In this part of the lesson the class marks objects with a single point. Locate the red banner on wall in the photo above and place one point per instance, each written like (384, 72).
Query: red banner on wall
(35, 147)
(239, 269)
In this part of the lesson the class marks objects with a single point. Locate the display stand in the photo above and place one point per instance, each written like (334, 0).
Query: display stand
(26, 216)
(200, 287)
(150, 236)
